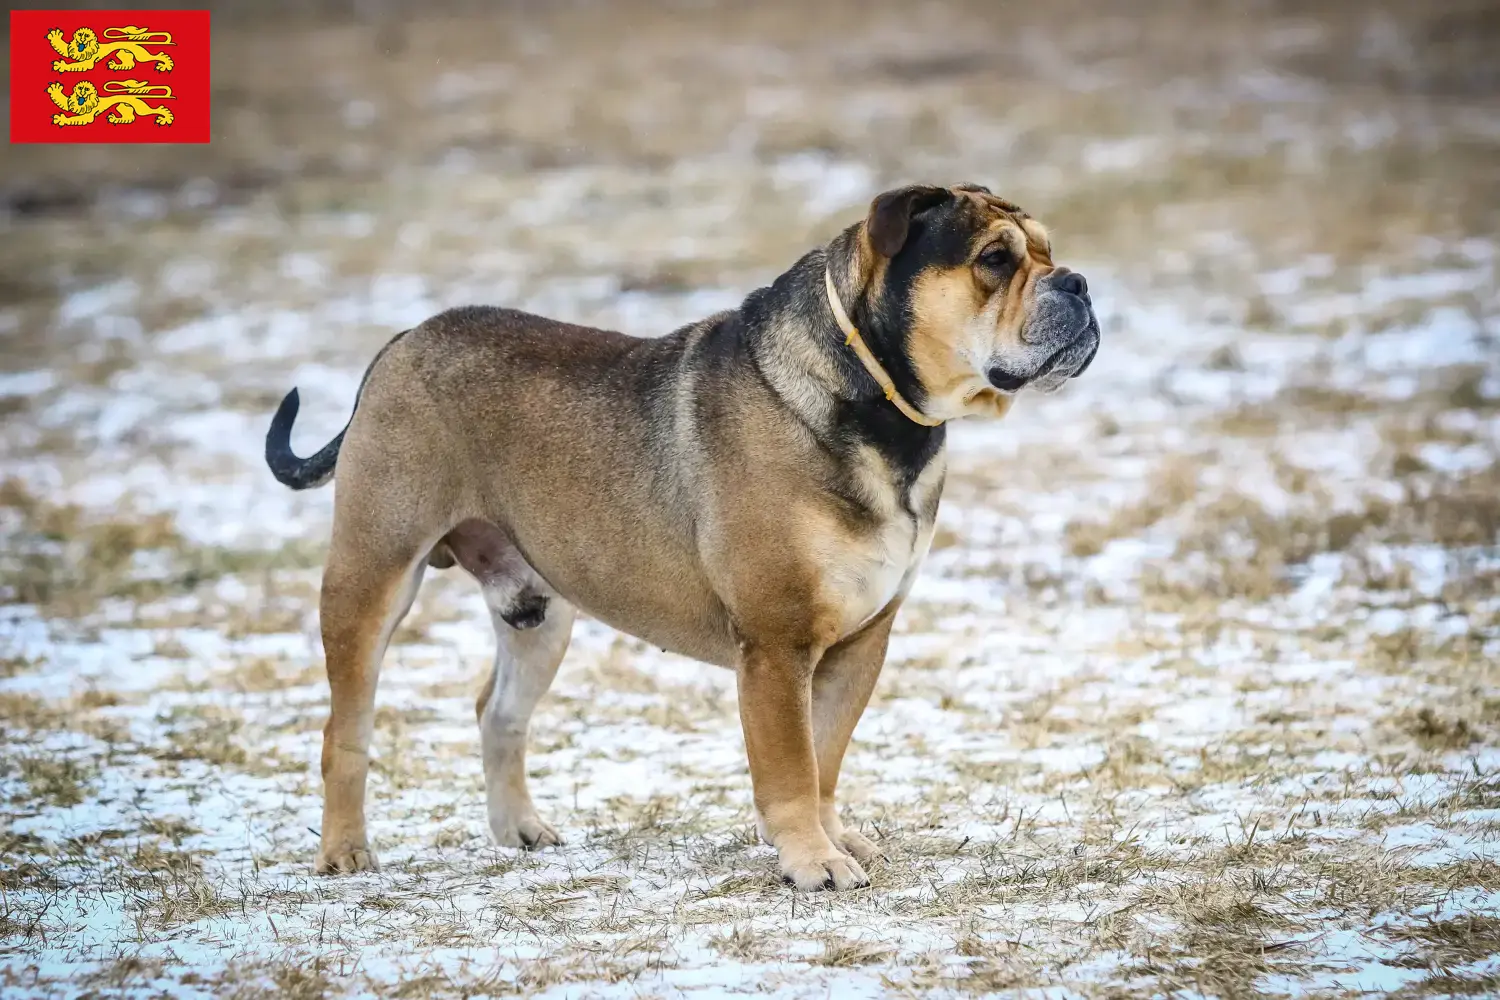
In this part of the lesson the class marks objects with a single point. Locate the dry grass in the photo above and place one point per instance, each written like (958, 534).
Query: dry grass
(1202, 696)
(1169, 489)
(1433, 731)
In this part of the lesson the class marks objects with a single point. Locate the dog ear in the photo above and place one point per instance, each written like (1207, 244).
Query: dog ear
(891, 213)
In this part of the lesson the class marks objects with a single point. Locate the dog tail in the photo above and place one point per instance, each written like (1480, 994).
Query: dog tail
(289, 470)
(316, 470)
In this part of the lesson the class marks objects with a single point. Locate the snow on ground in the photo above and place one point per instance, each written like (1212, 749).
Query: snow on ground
(1196, 694)
(1115, 741)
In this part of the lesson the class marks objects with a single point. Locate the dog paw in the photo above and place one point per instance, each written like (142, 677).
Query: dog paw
(345, 858)
(529, 832)
(857, 845)
(837, 872)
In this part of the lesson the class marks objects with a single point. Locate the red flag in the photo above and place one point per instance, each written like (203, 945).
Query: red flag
(109, 76)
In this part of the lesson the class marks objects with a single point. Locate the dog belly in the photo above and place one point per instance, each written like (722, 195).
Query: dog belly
(698, 638)
(666, 606)
(674, 616)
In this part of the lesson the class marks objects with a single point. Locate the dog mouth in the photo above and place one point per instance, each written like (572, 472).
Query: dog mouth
(1067, 358)
(1088, 360)
(1007, 381)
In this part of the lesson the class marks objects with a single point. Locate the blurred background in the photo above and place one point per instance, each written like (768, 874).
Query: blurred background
(639, 164)
(496, 148)
(1249, 558)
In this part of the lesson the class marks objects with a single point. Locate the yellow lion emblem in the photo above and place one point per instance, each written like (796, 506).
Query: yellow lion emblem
(127, 97)
(80, 55)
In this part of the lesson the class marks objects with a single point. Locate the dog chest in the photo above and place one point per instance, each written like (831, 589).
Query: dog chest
(872, 575)
(862, 571)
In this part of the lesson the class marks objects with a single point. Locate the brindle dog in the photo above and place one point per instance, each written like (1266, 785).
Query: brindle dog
(755, 490)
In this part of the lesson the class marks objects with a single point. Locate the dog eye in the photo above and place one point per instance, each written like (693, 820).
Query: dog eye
(996, 255)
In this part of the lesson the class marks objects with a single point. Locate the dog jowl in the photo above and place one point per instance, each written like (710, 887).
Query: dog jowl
(756, 490)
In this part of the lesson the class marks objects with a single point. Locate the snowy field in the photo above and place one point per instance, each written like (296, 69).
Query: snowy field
(1198, 693)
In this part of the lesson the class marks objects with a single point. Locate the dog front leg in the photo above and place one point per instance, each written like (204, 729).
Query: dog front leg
(841, 689)
(775, 690)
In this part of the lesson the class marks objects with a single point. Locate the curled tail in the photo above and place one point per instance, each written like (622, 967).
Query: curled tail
(316, 470)
(289, 470)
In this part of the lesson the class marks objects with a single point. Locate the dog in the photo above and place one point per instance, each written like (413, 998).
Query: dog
(755, 490)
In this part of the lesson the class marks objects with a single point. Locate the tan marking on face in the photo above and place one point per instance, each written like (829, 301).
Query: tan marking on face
(1038, 242)
(959, 321)
(949, 307)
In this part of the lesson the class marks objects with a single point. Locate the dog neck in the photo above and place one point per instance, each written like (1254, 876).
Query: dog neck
(871, 364)
(798, 348)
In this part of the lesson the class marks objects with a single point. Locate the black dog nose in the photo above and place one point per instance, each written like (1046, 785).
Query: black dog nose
(1072, 281)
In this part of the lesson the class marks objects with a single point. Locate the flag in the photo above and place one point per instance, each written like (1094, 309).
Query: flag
(109, 76)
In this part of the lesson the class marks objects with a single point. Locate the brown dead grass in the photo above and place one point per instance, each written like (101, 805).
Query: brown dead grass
(1434, 730)
(1442, 944)
(1060, 876)
(66, 560)
(1169, 489)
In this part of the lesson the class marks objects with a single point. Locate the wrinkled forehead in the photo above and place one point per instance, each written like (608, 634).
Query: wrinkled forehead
(990, 218)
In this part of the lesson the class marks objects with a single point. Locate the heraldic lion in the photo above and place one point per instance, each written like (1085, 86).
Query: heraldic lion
(127, 97)
(124, 44)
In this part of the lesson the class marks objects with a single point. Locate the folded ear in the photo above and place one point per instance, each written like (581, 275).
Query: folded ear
(891, 214)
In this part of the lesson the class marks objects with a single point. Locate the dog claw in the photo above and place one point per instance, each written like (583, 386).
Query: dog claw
(530, 833)
(345, 861)
(537, 841)
(835, 873)
(858, 846)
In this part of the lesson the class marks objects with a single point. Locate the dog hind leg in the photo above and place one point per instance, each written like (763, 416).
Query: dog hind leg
(532, 629)
(526, 661)
(364, 598)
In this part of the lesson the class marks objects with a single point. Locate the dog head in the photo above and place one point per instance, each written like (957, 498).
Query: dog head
(960, 286)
